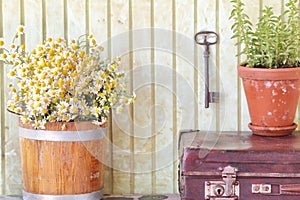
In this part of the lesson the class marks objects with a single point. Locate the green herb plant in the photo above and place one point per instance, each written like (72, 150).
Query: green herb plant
(274, 41)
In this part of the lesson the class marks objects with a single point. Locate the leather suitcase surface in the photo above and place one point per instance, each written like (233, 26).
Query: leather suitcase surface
(238, 165)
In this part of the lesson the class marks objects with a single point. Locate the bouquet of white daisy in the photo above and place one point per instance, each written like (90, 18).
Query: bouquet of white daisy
(60, 81)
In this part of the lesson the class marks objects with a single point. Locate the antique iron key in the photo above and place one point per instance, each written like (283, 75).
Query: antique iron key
(207, 38)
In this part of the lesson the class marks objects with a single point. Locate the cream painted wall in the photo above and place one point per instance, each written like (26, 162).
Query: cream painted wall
(165, 69)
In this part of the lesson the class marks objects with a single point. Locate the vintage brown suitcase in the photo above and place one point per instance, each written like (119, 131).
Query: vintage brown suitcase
(238, 166)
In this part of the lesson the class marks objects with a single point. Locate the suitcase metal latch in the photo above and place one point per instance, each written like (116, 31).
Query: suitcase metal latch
(228, 189)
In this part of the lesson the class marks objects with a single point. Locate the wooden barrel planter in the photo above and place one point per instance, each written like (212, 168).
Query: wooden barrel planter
(62, 162)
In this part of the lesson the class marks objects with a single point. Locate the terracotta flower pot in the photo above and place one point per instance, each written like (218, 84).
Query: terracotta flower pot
(272, 97)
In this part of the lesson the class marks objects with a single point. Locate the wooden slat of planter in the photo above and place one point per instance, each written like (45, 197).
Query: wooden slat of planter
(62, 167)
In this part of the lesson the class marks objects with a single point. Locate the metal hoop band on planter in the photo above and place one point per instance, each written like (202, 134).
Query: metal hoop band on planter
(66, 136)
(90, 196)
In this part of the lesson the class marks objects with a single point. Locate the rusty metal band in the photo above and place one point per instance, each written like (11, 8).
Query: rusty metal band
(62, 136)
(90, 196)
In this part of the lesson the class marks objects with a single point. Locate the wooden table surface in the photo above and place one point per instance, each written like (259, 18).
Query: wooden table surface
(116, 197)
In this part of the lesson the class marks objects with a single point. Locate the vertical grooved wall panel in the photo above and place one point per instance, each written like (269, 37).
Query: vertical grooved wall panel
(121, 160)
(2, 108)
(163, 65)
(10, 135)
(174, 98)
(142, 75)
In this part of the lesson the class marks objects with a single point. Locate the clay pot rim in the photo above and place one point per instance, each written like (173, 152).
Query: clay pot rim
(272, 131)
(269, 74)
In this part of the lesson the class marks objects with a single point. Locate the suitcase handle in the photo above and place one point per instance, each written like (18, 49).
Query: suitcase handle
(290, 189)
(268, 189)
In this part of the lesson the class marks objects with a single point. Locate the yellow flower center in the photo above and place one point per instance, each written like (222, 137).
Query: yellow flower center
(12, 73)
(21, 29)
(4, 55)
(103, 75)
